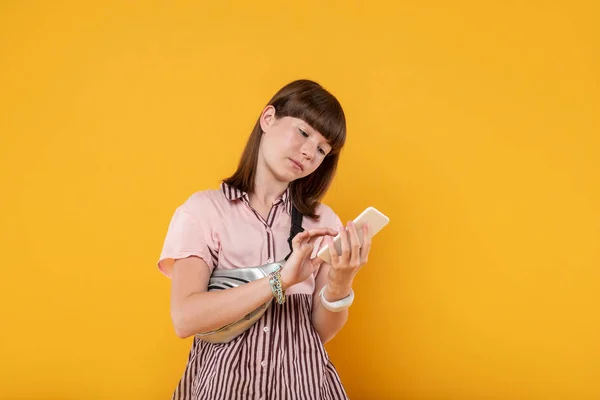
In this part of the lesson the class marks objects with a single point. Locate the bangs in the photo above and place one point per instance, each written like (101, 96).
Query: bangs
(320, 110)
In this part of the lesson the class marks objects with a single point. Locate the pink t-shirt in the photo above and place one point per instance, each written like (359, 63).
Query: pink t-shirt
(219, 226)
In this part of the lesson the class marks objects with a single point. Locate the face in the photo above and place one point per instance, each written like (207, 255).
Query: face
(290, 148)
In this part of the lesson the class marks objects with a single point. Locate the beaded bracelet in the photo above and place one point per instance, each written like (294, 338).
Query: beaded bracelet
(277, 287)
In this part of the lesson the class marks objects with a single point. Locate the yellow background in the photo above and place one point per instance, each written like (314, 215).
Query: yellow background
(473, 125)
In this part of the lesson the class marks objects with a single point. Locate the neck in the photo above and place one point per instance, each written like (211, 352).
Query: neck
(266, 188)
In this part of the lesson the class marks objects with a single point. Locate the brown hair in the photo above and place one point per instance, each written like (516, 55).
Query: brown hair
(309, 101)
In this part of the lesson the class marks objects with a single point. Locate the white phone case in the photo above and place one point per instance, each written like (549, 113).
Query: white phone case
(376, 219)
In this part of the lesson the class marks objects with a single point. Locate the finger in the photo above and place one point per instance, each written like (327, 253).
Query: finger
(345, 256)
(354, 245)
(315, 263)
(299, 238)
(335, 258)
(307, 249)
(366, 246)
(315, 234)
(321, 232)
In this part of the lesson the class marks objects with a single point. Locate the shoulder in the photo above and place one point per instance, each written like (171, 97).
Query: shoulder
(204, 197)
(327, 216)
(203, 203)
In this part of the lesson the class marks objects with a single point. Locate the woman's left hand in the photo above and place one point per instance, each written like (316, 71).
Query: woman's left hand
(353, 257)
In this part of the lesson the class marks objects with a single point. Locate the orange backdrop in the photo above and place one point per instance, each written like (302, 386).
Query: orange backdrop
(473, 125)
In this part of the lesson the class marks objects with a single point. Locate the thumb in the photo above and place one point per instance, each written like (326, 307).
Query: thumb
(315, 263)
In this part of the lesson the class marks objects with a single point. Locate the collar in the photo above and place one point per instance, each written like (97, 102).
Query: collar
(232, 194)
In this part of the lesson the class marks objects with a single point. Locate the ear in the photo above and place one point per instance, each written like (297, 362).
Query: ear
(267, 118)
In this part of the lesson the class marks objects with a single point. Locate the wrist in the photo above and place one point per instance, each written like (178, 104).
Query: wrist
(338, 283)
(284, 284)
(337, 291)
(277, 288)
(336, 305)
(285, 281)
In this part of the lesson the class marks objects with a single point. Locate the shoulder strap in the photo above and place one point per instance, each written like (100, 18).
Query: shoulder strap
(296, 227)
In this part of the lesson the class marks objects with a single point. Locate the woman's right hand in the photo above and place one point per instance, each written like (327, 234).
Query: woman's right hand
(299, 266)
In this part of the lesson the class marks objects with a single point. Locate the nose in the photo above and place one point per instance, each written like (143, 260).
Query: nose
(308, 151)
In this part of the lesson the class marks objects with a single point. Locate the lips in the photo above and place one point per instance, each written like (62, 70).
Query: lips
(297, 164)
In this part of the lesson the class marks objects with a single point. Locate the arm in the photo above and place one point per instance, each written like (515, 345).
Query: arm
(194, 309)
(339, 276)
(328, 323)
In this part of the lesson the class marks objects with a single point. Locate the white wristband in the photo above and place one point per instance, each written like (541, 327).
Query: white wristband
(336, 306)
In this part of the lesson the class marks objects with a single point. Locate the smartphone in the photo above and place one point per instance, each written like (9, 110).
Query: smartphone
(375, 218)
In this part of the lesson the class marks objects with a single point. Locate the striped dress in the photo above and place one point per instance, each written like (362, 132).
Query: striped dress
(279, 357)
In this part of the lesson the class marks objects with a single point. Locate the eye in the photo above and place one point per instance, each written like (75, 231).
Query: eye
(321, 151)
(303, 133)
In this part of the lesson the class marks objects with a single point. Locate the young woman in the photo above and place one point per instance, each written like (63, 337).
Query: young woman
(289, 161)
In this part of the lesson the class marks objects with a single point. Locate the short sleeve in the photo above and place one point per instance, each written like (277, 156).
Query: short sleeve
(186, 236)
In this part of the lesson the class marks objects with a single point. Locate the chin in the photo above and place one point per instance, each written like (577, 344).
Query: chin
(288, 175)
(285, 176)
